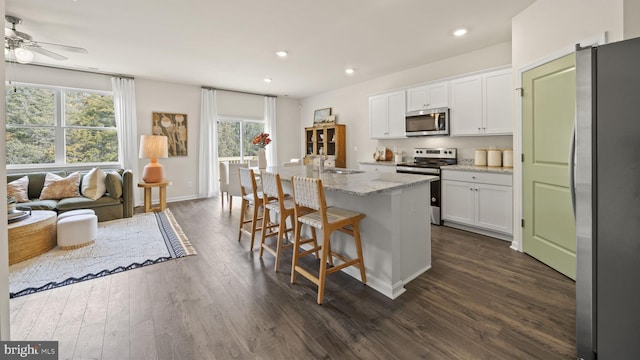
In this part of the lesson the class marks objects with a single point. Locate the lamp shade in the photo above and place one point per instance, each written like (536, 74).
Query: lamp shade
(153, 147)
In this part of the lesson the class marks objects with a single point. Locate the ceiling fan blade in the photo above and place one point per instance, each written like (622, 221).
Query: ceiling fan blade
(64, 47)
(46, 52)
(9, 33)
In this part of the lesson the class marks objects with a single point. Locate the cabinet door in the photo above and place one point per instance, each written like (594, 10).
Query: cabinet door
(417, 98)
(466, 106)
(494, 207)
(428, 96)
(377, 168)
(397, 112)
(438, 95)
(458, 201)
(378, 116)
(498, 117)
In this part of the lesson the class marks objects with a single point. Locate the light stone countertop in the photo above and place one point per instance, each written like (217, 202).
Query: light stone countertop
(384, 163)
(489, 169)
(359, 184)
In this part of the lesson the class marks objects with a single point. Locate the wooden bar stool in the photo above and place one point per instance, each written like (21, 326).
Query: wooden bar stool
(251, 197)
(308, 193)
(282, 205)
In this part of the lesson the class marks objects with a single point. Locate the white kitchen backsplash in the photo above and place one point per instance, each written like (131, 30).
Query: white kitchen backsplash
(466, 145)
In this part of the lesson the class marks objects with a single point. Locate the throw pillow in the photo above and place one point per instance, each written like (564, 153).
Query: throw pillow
(19, 189)
(114, 185)
(56, 187)
(93, 185)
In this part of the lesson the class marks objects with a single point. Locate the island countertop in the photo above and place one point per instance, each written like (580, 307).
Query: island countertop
(362, 183)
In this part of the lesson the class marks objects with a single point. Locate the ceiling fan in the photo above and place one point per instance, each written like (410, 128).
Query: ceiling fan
(23, 46)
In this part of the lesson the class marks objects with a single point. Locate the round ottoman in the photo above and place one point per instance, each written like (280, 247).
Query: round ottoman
(76, 212)
(77, 231)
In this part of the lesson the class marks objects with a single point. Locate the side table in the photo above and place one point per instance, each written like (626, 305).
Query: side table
(162, 186)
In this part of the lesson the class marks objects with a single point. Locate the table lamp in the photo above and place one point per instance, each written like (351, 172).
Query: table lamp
(153, 147)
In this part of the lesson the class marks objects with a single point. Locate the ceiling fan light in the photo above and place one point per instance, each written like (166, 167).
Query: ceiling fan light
(6, 52)
(23, 56)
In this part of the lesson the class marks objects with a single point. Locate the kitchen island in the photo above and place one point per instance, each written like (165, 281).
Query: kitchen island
(396, 232)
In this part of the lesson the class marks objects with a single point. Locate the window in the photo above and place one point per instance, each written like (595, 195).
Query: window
(57, 126)
(235, 139)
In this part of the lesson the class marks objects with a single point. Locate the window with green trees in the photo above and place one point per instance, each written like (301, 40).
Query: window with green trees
(235, 139)
(54, 125)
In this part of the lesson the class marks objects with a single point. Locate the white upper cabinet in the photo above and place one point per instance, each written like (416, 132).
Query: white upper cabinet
(465, 114)
(428, 96)
(481, 104)
(498, 102)
(386, 115)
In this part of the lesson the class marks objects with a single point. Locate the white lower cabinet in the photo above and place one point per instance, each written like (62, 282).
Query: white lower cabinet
(377, 168)
(478, 200)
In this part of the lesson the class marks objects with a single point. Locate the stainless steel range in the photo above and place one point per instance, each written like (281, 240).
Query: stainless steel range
(429, 162)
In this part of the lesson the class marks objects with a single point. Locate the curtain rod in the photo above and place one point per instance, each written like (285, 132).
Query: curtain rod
(237, 91)
(72, 69)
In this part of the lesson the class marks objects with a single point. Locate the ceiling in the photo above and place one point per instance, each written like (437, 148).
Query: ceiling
(232, 44)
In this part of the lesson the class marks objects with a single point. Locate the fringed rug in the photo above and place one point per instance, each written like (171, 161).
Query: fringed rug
(122, 245)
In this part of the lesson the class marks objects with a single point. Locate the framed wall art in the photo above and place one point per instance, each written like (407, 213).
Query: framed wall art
(321, 116)
(174, 127)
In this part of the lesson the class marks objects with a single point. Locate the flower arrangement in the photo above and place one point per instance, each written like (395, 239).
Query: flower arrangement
(262, 140)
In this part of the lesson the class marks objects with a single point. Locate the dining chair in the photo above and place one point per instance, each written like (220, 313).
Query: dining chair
(311, 209)
(282, 206)
(230, 181)
(253, 198)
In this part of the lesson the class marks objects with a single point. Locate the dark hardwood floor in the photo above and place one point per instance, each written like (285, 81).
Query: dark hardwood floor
(480, 300)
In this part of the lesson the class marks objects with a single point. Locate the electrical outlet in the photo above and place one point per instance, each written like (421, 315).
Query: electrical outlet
(190, 184)
(355, 148)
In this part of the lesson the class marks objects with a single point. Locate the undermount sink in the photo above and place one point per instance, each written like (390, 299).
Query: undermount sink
(342, 171)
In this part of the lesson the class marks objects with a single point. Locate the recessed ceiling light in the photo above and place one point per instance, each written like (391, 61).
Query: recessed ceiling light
(282, 53)
(460, 32)
(349, 71)
(267, 80)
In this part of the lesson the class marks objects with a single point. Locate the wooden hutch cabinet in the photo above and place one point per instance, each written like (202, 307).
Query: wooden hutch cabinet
(330, 139)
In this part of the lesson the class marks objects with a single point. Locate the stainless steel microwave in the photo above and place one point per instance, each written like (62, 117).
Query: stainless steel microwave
(427, 122)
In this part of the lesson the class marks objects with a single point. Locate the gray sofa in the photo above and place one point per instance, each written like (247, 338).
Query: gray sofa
(117, 203)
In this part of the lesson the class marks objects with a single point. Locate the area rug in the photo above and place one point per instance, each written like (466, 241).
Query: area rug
(121, 245)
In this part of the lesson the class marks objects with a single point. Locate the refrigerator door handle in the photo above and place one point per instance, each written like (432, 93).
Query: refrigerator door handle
(572, 168)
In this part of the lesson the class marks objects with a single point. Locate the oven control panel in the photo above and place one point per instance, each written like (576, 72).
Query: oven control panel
(440, 153)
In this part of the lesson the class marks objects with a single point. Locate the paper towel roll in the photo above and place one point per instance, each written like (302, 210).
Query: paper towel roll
(481, 157)
(507, 158)
(494, 157)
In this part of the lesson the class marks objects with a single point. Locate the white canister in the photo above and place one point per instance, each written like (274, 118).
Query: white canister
(494, 157)
(507, 158)
(481, 157)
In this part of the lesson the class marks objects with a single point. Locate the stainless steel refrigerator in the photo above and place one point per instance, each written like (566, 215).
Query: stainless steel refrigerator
(607, 201)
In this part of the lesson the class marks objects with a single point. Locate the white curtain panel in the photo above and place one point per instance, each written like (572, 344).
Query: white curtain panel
(208, 184)
(270, 128)
(124, 99)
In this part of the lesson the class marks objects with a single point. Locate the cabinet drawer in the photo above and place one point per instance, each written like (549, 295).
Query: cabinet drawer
(477, 177)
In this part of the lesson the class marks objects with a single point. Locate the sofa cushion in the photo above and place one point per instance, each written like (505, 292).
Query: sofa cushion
(93, 186)
(113, 183)
(81, 202)
(36, 181)
(56, 187)
(19, 189)
(36, 204)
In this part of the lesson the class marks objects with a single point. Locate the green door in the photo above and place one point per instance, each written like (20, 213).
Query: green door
(548, 111)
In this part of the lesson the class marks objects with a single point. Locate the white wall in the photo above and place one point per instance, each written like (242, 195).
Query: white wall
(350, 104)
(631, 17)
(547, 29)
(288, 129)
(4, 237)
(159, 96)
